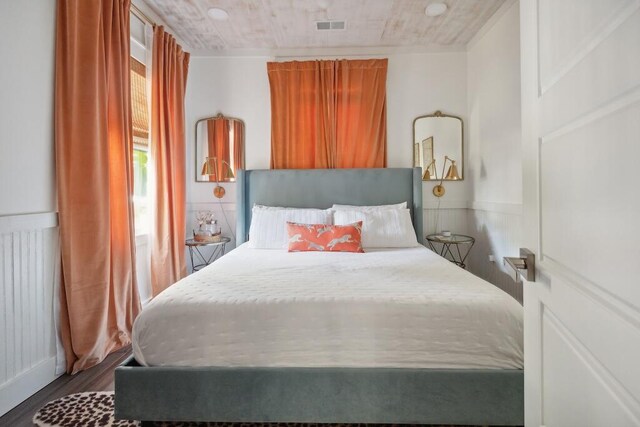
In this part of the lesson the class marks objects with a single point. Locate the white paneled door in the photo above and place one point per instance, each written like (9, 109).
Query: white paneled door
(581, 137)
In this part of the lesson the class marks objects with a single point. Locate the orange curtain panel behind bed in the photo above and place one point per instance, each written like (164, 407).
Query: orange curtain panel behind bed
(94, 147)
(361, 113)
(168, 84)
(328, 114)
(302, 114)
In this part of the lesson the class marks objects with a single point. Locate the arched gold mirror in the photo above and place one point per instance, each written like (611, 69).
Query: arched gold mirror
(438, 138)
(219, 148)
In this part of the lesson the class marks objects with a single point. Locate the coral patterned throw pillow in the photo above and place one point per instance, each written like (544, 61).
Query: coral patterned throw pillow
(323, 237)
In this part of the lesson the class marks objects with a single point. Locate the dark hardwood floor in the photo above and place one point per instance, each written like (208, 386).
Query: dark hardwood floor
(98, 378)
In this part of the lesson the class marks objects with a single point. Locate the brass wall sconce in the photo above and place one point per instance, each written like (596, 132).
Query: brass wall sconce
(452, 175)
(218, 191)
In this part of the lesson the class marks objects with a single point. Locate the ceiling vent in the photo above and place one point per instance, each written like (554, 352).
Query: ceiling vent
(330, 25)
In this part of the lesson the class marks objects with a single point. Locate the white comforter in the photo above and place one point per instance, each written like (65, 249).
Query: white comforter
(385, 308)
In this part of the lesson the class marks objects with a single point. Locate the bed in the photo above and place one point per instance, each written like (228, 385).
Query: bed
(267, 343)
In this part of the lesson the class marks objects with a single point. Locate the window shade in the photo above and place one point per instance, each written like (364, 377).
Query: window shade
(139, 106)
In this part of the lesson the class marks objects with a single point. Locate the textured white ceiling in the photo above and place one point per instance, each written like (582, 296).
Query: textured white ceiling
(290, 24)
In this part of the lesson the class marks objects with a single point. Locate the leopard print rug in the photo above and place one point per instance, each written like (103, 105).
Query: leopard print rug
(80, 409)
(95, 409)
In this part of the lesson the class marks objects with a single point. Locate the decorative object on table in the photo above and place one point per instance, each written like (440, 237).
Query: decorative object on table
(449, 246)
(96, 409)
(197, 256)
(434, 136)
(208, 228)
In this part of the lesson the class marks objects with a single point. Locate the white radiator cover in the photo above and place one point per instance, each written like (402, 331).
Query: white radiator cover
(29, 273)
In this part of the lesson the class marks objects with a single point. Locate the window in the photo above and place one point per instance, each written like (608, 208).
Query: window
(140, 121)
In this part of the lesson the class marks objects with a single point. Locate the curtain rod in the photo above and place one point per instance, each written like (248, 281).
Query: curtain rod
(140, 14)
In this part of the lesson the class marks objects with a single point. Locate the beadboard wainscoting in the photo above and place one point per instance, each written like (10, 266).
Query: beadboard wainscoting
(497, 229)
(29, 273)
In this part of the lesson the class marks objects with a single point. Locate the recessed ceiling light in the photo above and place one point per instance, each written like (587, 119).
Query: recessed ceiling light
(218, 14)
(435, 9)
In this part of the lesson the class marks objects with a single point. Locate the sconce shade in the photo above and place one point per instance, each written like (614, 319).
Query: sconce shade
(207, 168)
(452, 173)
(426, 176)
(229, 172)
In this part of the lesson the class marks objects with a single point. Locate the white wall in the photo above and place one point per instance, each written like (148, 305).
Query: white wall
(494, 150)
(419, 84)
(27, 177)
(29, 256)
(495, 166)
(28, 219)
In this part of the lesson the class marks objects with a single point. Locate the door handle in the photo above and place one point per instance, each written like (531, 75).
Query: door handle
(525, 264)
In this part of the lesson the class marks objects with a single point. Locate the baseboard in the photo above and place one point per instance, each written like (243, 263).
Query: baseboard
(18, 389)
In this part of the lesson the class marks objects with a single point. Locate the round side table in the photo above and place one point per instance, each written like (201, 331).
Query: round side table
(203, 260)
(450, 247)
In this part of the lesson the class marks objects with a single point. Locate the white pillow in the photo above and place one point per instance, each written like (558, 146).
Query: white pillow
(268, 228)
(402, 205)
(382, 228)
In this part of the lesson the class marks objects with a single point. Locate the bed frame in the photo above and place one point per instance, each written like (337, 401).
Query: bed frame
(322, 395)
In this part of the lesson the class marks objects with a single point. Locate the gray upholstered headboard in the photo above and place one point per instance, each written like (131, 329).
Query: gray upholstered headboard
(321, 188)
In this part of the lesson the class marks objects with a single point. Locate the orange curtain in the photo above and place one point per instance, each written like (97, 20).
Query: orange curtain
(302, 114)
(168, 84)
(328, 114)
(361, 114)
(94, 149)
(218, 145)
